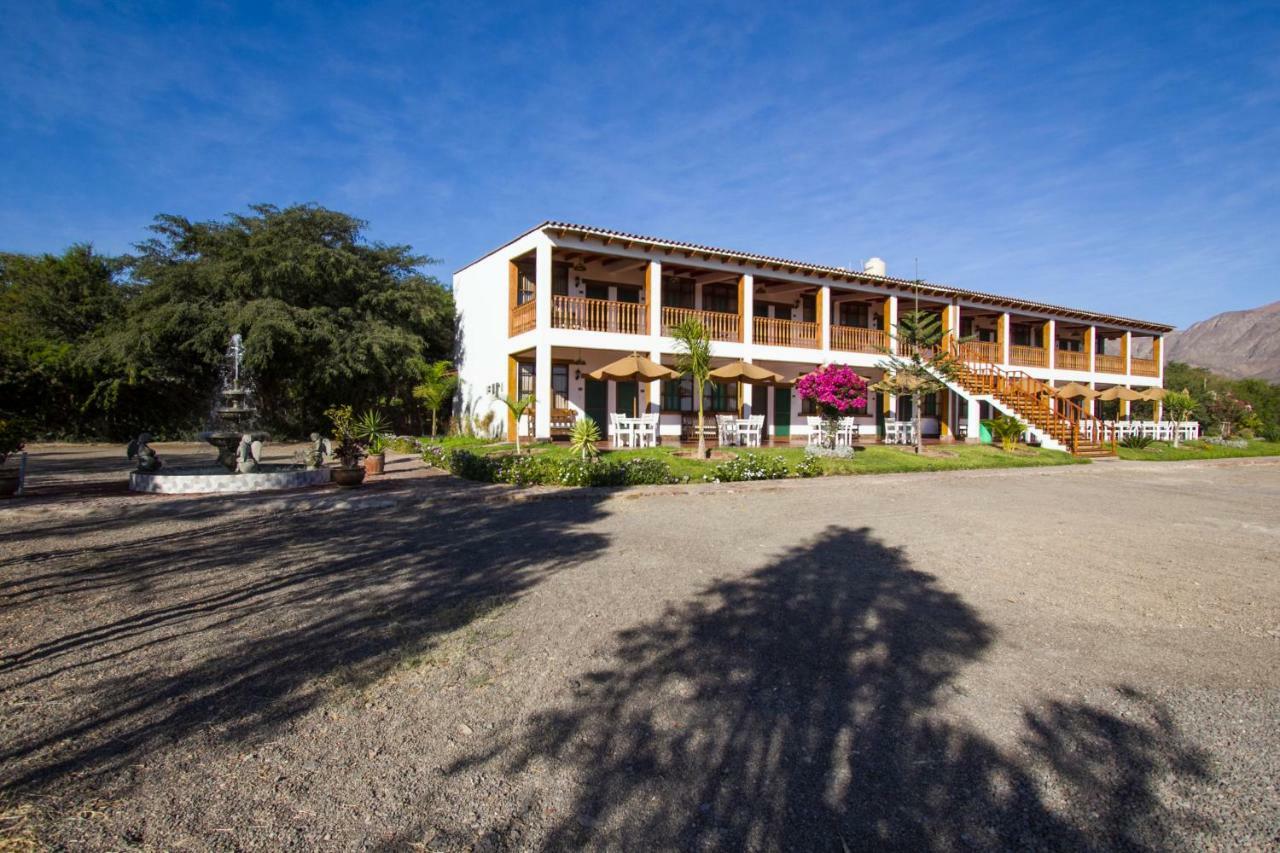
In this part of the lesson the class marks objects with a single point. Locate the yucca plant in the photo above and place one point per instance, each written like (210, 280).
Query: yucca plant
(583, 437)
(1006, 429)
(1136, 442)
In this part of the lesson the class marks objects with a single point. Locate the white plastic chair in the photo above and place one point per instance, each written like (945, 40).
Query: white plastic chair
(847, 432)
(648, 432)
(815, 429)
(725, 429)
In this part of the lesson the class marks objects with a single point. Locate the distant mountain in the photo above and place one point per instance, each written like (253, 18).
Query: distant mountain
(1239, 344)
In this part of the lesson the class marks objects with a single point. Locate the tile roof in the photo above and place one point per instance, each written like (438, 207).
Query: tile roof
(925, 288)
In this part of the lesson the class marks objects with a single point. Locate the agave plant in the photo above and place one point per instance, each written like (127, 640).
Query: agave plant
(583, 437)
(1136, 442)
(372, 428)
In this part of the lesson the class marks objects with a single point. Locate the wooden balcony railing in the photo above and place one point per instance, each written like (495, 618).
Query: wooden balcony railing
(1144, 367)
(720, 325)
(853, 339)
(980, 352)
(785, 333)
(598, 315)
(523, 318)
(1066, 359)
(1028, 356)
(1108, 363)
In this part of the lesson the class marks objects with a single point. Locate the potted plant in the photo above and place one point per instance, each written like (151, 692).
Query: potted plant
(11, 442)
(371, 430)
(347, 448)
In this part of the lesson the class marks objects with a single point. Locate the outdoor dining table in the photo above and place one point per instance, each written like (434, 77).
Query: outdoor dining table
(633, 429)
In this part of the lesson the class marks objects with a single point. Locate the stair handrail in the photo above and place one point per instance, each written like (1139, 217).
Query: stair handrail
(1037, 394)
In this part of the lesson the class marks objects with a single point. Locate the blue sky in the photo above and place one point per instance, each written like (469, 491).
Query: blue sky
(1121, 157)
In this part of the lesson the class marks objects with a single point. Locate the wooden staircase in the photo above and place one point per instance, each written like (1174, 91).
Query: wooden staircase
(1035, 403)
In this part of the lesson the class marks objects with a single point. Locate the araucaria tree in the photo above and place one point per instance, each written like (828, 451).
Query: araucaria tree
(836, 391)
(693, 358)
(920, 364)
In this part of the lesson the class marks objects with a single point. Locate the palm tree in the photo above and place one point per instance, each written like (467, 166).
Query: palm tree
(437, 385)
(693, 357)
(920, 365)
(518, 407)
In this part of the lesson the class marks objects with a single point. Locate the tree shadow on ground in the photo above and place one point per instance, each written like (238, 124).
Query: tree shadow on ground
(228, 631)
(804, 706)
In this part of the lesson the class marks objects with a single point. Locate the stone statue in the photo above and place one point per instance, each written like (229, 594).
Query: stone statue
(140, 449)
(319, 451)
(248, 454)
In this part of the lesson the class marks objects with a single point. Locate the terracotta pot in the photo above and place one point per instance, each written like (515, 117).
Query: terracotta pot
(348, 478)
(8, 482)
(374, 462)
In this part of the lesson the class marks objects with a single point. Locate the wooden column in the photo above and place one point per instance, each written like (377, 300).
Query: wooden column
(1126, 351)
(1047, 338)
(1090, 349)
(890, 321)
(822, 314)
(1157, 353)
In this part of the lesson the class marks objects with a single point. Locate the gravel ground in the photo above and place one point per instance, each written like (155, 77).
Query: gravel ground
(1080, 657)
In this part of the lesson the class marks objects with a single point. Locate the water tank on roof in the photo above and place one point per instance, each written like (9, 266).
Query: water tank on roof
(875, 266)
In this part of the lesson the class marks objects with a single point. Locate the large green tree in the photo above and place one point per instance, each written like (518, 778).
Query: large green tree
(327, 316)
(51, 308)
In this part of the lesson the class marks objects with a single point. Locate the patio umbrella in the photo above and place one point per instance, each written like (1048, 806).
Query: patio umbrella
(1153, 394)
(1120, 392)
(634, 368)
(741, 371)
(1075, 389)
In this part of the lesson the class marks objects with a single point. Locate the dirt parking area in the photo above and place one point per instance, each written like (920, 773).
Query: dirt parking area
(1079, 657)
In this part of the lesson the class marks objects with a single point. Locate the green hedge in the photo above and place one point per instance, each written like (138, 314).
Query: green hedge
(553, 471)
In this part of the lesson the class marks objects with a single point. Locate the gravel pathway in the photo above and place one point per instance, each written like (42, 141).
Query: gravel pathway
(1047, 658)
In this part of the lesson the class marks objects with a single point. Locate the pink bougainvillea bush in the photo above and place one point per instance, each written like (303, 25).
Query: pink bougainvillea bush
(835, 389)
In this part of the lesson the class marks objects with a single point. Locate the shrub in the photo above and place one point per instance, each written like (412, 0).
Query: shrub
(1270, 432)
(404, 444)
(809, 466)
(749, 466)
(1219, 441)
(1005, 429)
(536, 470)
(1136, 442)
(435, 456)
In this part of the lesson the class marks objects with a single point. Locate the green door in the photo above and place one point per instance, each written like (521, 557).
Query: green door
(782, 412)
(626, 398)
(596, 404)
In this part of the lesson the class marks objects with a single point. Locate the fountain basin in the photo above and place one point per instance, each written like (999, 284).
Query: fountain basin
(214, 479)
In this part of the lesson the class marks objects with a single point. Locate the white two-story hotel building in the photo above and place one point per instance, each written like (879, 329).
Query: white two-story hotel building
(539, 313)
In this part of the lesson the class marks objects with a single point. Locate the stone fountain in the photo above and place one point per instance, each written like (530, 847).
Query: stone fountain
(234, 413)
(239, 466)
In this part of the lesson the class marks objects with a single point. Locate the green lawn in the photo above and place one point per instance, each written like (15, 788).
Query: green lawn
(1161, 451)
(876, 459)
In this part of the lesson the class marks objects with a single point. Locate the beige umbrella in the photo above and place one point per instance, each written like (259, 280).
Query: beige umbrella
(1120, 392)
(634, 368)
(741, 371)
(1153, 394)
(1075, 389)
